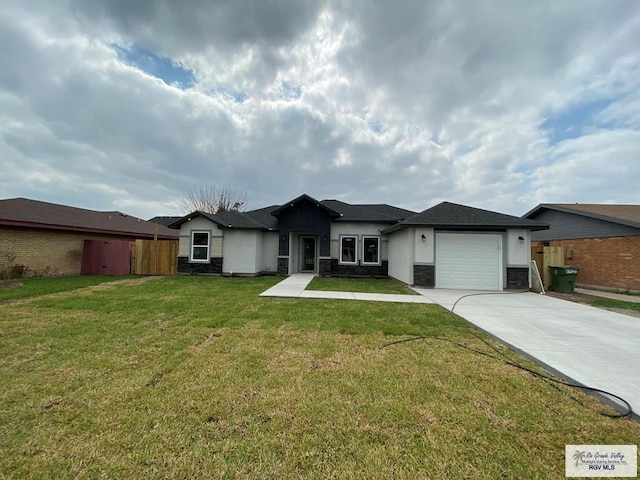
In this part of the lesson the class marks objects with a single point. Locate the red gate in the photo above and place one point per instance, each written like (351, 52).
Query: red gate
(106, 257)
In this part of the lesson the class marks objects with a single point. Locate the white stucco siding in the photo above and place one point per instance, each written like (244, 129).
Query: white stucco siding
(242, 251)
(401, 255)
(384, 248)
(269, 261)
(518, 251)
(424, 247)
(204, 225)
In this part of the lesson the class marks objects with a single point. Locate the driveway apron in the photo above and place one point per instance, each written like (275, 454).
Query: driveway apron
(595, 347)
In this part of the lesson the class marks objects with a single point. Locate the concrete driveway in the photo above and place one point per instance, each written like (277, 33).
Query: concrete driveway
(591, 346)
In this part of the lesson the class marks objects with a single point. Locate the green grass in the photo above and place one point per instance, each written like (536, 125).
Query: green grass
(361, 285)
(31, 287)
(198, 377)
(607, 303)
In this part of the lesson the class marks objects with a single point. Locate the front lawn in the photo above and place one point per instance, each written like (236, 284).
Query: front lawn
(360, 285)
(198, 377)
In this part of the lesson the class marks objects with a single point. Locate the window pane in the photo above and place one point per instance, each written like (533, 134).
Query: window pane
(348, 249)
(201, 238)
(370, 250)
(200, 253)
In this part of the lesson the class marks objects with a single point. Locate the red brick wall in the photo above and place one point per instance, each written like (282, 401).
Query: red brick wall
(45, 252)
(611, 262)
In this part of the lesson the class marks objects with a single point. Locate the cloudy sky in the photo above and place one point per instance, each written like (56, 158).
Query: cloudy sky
(125, 105)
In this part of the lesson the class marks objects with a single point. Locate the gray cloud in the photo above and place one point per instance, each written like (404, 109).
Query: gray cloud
(199, 25)
(407, 104)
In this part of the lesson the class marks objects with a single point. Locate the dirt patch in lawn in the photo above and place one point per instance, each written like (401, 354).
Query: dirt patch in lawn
(103, 285)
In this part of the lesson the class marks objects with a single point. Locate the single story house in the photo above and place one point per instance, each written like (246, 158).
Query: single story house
(49, 239)
(446, 246)
(603, 241)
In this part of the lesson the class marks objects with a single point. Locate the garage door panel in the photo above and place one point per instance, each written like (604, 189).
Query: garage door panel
(469, 261)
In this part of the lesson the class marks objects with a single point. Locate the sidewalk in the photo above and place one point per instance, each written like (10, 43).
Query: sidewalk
(609, 295)
(294, 287)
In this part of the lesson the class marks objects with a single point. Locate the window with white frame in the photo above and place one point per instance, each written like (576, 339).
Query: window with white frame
(349, 249)
(371, 250)
(200, 244)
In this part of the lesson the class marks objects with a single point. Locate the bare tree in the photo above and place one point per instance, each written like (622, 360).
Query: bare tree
(212, 198)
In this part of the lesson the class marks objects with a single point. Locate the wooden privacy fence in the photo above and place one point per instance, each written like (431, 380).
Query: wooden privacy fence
(154, 257)
(547, 257)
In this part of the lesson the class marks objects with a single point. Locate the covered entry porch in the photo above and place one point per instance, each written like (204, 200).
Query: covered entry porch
(304, 253)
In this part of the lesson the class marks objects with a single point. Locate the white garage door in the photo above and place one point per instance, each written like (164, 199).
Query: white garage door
(469, 261)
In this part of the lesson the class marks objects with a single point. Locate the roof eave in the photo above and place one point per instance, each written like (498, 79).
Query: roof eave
(72, 228)
(465, 226)
(346, 220)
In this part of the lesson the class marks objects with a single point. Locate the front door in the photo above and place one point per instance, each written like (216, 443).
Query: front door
(307, 254)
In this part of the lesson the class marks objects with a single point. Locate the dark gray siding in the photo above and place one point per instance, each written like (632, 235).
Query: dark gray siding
(305, 217)
(564, 226)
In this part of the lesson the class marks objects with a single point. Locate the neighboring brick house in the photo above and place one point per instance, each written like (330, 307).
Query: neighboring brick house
(48, 239)
(603, 241)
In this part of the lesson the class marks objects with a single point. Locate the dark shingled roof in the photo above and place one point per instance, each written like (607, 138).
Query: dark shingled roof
(264, 216)
(164, 220)
(305, 198)
(255, 219)
(455, 216)
(444, 215)
(260, 219)
(377, 213)
(23, 212)
(622, 214)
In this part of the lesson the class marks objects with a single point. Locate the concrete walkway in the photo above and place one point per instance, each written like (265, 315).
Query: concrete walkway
(294, 286)
(595, 347)
(609, 295)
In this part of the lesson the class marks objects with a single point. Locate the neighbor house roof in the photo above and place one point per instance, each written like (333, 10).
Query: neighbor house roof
(456, 217)
(622, 214)
(26, 213)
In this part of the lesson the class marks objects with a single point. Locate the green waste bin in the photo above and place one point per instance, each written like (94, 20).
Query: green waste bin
(563, 279)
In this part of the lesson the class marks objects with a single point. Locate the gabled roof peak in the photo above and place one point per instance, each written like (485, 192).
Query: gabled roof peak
(304, 198)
